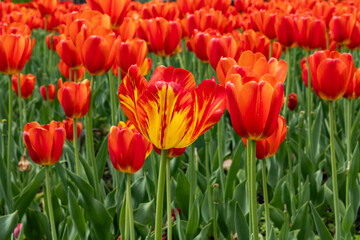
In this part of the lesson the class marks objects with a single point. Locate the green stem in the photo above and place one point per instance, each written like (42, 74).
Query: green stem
(44, 44)
(207, 170)
(20, 108)
(334, 174)
(348, 146)
(299, 158)
(112, 98)
(221, 140)
(129, 208)
(180, 60)
(50, 208)
(200, 63)
(9, 147)
(192, 176)
(76, 151)
(50, 58)
(271, 49)
(160, 195)
(291, 176)
(288, 81)
(251, 148)
(168, 200)
(308, 101)
(266, 199)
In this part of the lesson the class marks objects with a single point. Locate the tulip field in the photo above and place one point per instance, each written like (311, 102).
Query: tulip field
(190, 119)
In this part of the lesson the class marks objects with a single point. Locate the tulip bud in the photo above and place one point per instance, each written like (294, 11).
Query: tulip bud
(17, 230)
(292, 101)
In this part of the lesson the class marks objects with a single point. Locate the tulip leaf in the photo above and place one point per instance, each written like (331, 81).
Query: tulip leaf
(101, 156)
(241, 226)
(77, 215)
(122, 216)
(7, 225)
(86, 190)
(193, 222)
(204, 232)
(316, 130)
(231, 176)
(319, 224)
(36, 225)
(348, 219)
(182, 193)
(28, 193)
(145, 213)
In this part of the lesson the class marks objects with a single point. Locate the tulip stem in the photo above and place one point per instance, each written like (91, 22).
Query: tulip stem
(348, 146)
(271, 49)
(192, 176)
(288, 81)
(9, 147)
(50, 208)
(334, 174)
(50, 58)
(76, 147)
(168, 200)
(20, 108)
(129, 208)
(160, 195)
(266, 199)
(308, 101)
(251, 151)
(112, 98)
(221, 140)
(207, 168)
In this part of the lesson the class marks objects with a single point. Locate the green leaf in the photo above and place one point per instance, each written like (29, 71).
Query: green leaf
(179, 228)
(285, 229)
(144, 214)
(231, 176)
(182, 192)
(36, 225)
(319, 224)
(203, 233)
(349, 219)
(77, 215)
(241, 226)
(27, 195)
(193, 222)
(101, 156)
(7, 225)
(316, 129)
(86, 190)
(122, 216)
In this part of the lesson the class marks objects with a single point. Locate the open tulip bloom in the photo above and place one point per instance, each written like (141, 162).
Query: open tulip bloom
(170, 112)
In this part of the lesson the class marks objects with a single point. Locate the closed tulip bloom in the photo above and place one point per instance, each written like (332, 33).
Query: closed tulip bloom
(199, 41)
(47, 7)
(311, 33)
(164, 36)
(355, 37)
(44, 142)
(69, 129)
(97, 53)
(52, 41)
(222, 46)
(65, 71)
(128, 149)
(75, 98)
(265, 22)
(331, 73)
(292, 101)
(304, 71)
(324, 10)
(15, 51)
(153, 9)
(269, 146)
(341, 28)
(189, 6)
(353, 89)
(169, 110)
(128, 29)
(285, 30)
(52, 91)
(69, 54)
(241, 5)
(27, 84)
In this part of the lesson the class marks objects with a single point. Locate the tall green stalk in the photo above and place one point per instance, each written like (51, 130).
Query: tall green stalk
(221, 140)
(192, 176)
(251, 153)
(130, 208)
(288, 82)
(168, 200)
(50, 208)
(20, 108)
(308, 101)
(266, 199)
(207, 171)
(9, 146)
(76, 151)
(271, 49)
(160, 195)
(334, 174)
(112, 98)
(348, 146)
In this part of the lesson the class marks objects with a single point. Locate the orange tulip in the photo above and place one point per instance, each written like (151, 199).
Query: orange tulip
(355, 37)
(285, 30)
(324, 10)
(153, 9)
(255, 96)
(265, 22)
(52, 91)
(97, 52)
(199, 41)
(116, 9)
(189, 6)
(129, 53)
(128, 149)
(164, 36)
(65, 71)
(15, 51)
(128, 29)
(331, 73)
(69, 129)
(241, 5)
(44, 142)
(292, 101)
(311, 33)
(27, 84)
(269, 146)
(55, 39)
(170, 111)
(69, 54)
(353, 89)
(341, 28)
(47, 7)
(75, 98)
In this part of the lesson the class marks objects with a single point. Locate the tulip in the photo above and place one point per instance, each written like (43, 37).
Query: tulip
(355, 37)
(265, 22)
(153, 9)
(199, 41)
(44, 142)
(52, 91)
(52, 41)
(341, 28)
(170, 112)
(17, 230)
(75, 98)
(331, 73)
(324, 10)
(190, 6)
(15, 51)
(241, 5)
(222, 46)
(47, 7)
(69, 54)
(353, 89)
(27, 84)
(164, 36)
(128, 29)
(285, 30)
(69, 129)
(65, 71)
(292, 101)
(311, 33)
